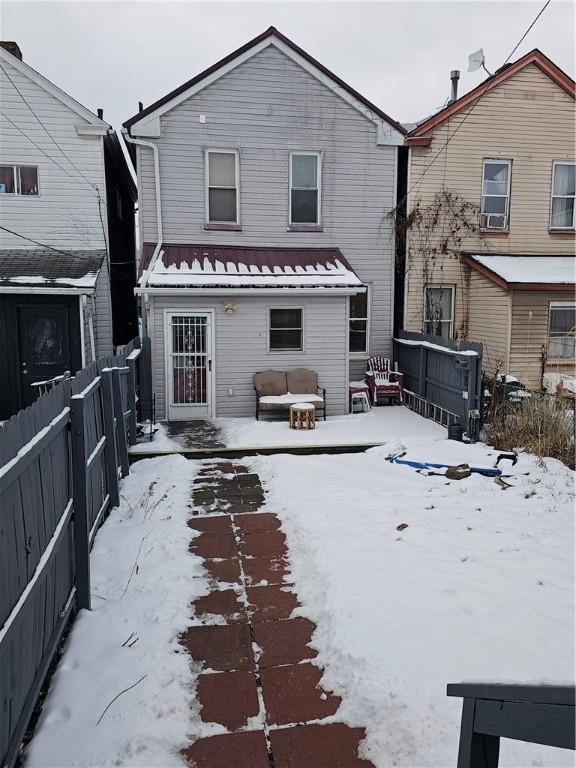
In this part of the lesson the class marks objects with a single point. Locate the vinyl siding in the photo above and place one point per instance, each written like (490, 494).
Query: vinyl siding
(65, 214)
(529, 120)
(103, 311)
(241, 341)
(530, 314)
(266, 108)
(489, 313)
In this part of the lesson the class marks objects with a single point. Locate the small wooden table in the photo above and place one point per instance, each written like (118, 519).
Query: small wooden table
(302, 416)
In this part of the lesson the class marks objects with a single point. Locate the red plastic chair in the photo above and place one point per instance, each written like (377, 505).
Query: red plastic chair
(383, 381)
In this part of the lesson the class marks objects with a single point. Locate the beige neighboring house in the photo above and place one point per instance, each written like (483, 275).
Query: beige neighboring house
(508, 147)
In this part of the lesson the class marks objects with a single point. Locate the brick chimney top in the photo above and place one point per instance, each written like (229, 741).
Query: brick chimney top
(12, 48)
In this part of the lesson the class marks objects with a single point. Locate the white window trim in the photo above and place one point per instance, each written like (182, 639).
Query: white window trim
(361, 355)
(570, 197)
(502, 161)
(221, 151)
(17, 183)
(318, 155)
(557, 305)
(450, 287)
(269, 329)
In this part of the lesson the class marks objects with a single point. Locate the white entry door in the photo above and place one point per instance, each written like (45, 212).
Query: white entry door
(189, 364)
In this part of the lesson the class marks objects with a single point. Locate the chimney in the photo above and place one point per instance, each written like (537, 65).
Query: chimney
(100, 113)
(12, 47)
(454, 77)
(140, 107)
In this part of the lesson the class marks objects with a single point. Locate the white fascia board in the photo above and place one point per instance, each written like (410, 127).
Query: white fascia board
(148, 128)
(46, 289)
(387, 134)
(92, 130)
(50, 88)
(350, 291)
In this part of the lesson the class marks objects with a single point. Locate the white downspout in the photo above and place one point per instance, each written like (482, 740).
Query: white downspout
(82, 302)
(159, 226)
(91, 331)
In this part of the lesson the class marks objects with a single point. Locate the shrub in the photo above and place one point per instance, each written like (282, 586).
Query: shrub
(539, 424)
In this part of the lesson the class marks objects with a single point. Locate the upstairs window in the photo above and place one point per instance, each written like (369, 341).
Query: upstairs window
(562, 330)
(439, 311)
(358, 334)
(222, 187)
(563, 192)
(286, 329)
(19, 180)
(305, 188)
(495, 204)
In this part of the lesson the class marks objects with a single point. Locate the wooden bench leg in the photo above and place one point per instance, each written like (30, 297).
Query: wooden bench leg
(476, 750)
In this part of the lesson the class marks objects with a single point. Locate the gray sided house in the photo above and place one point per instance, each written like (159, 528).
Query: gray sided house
(264, 184)
(67, 216)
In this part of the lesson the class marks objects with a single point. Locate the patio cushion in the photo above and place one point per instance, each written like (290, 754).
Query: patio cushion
(283, 402)
(270, 383)
(302, 381)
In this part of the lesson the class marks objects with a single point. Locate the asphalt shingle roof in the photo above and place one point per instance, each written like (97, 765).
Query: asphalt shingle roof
(41, 266)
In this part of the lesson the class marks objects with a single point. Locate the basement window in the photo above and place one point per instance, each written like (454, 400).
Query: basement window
(19, 180)
(562, 330)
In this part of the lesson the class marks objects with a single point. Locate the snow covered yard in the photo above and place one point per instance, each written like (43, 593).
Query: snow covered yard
(478, 586)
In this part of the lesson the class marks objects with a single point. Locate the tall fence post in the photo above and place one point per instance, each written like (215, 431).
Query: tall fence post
(145, 378)
(131, 363)
(422, 371)
(120, 428)
(80, 497)
(110, 447)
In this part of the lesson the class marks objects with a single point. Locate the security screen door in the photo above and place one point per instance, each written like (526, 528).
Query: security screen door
(189, 365)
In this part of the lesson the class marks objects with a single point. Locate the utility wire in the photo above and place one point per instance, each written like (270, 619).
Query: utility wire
(49, 247)
(467, 115)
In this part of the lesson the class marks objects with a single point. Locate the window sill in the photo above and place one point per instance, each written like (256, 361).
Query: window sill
(304, 228)
(562, 230)
(495, 232)
(358, 355)
(223, 227)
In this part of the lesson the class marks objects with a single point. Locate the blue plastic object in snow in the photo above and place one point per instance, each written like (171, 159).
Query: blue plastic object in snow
(397, 459)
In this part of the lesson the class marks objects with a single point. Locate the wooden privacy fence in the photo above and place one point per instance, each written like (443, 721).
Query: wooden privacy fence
(442, 378)
(60, 464)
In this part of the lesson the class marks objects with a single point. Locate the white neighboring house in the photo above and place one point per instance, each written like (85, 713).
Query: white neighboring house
(55, 305)
(264, 184)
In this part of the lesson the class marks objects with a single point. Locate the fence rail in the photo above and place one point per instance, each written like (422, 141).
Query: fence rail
(60, 464)
(443, 378)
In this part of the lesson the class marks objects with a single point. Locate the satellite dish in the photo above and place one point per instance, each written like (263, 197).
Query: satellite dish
(476, 61)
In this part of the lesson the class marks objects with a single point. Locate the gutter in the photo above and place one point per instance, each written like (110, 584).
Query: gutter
(195, 291)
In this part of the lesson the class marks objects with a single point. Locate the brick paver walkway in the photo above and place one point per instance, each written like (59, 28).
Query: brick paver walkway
(260, 682)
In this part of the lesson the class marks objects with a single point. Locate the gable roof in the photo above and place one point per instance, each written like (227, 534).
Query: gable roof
(270, 37)
(417, 136)
(49, 87)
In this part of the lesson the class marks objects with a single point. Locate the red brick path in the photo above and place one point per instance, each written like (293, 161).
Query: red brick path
(262, 685)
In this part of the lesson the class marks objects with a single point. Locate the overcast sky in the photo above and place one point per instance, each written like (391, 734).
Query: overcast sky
(397, 54)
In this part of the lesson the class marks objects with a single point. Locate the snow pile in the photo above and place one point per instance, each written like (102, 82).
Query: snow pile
(143, 581)
(531, 269)
(479, 586)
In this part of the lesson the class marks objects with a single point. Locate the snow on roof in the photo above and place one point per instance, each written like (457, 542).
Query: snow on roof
(44, 267)
(531, 269)
(201, 266)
